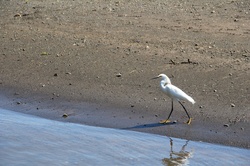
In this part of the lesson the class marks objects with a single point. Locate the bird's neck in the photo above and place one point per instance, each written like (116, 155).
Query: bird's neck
(165, 82)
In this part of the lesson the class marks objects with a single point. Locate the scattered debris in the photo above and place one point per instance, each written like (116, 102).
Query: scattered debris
(21, 15)
(189, 62)
(44, 53)
(57, 95)
(172, 62)
(25, 14)
(235, 120)
(183, 62)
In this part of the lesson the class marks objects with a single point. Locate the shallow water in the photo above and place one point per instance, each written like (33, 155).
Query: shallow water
(29, 140)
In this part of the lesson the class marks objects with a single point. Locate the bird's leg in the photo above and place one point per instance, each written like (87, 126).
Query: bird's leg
(189, 119)
(167, 120)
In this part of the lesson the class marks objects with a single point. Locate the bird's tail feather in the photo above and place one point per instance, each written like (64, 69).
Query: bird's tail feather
(190, 99)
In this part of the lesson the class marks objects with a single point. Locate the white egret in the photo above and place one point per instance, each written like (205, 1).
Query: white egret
(175, 94)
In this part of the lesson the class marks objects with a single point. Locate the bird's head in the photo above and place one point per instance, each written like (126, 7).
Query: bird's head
(160, 76)
(163, 77)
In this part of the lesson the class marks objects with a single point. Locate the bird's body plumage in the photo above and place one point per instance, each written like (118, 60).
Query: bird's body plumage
(174, 93)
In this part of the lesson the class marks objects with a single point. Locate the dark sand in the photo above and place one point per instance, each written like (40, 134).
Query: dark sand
(93, 61)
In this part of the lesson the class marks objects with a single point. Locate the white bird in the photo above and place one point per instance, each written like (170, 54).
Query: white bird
(174, 93)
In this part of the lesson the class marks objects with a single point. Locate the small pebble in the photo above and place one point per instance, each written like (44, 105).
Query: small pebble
(65, 115)
(18, 102)
(226, 125)
(17, 15)
(232, 105)
(118, 75)
(236, 20)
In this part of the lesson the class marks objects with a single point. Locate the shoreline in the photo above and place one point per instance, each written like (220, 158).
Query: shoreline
(104, 115)
(25, 137)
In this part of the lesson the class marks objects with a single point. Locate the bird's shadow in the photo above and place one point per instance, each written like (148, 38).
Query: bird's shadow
(149, 125)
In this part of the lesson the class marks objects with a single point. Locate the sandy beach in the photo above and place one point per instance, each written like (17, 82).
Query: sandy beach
(93, 61)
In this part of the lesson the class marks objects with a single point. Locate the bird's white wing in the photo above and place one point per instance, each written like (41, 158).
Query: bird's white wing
(176, 93)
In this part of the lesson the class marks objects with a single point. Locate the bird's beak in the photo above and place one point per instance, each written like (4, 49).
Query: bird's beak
(154, 77)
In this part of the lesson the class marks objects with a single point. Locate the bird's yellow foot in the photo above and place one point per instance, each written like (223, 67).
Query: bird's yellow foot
(189, 121)
(164, 121)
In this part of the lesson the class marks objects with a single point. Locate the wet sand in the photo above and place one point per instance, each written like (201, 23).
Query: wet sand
(94, 60)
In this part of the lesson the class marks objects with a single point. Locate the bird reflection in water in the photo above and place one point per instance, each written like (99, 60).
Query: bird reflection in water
(177, 158)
